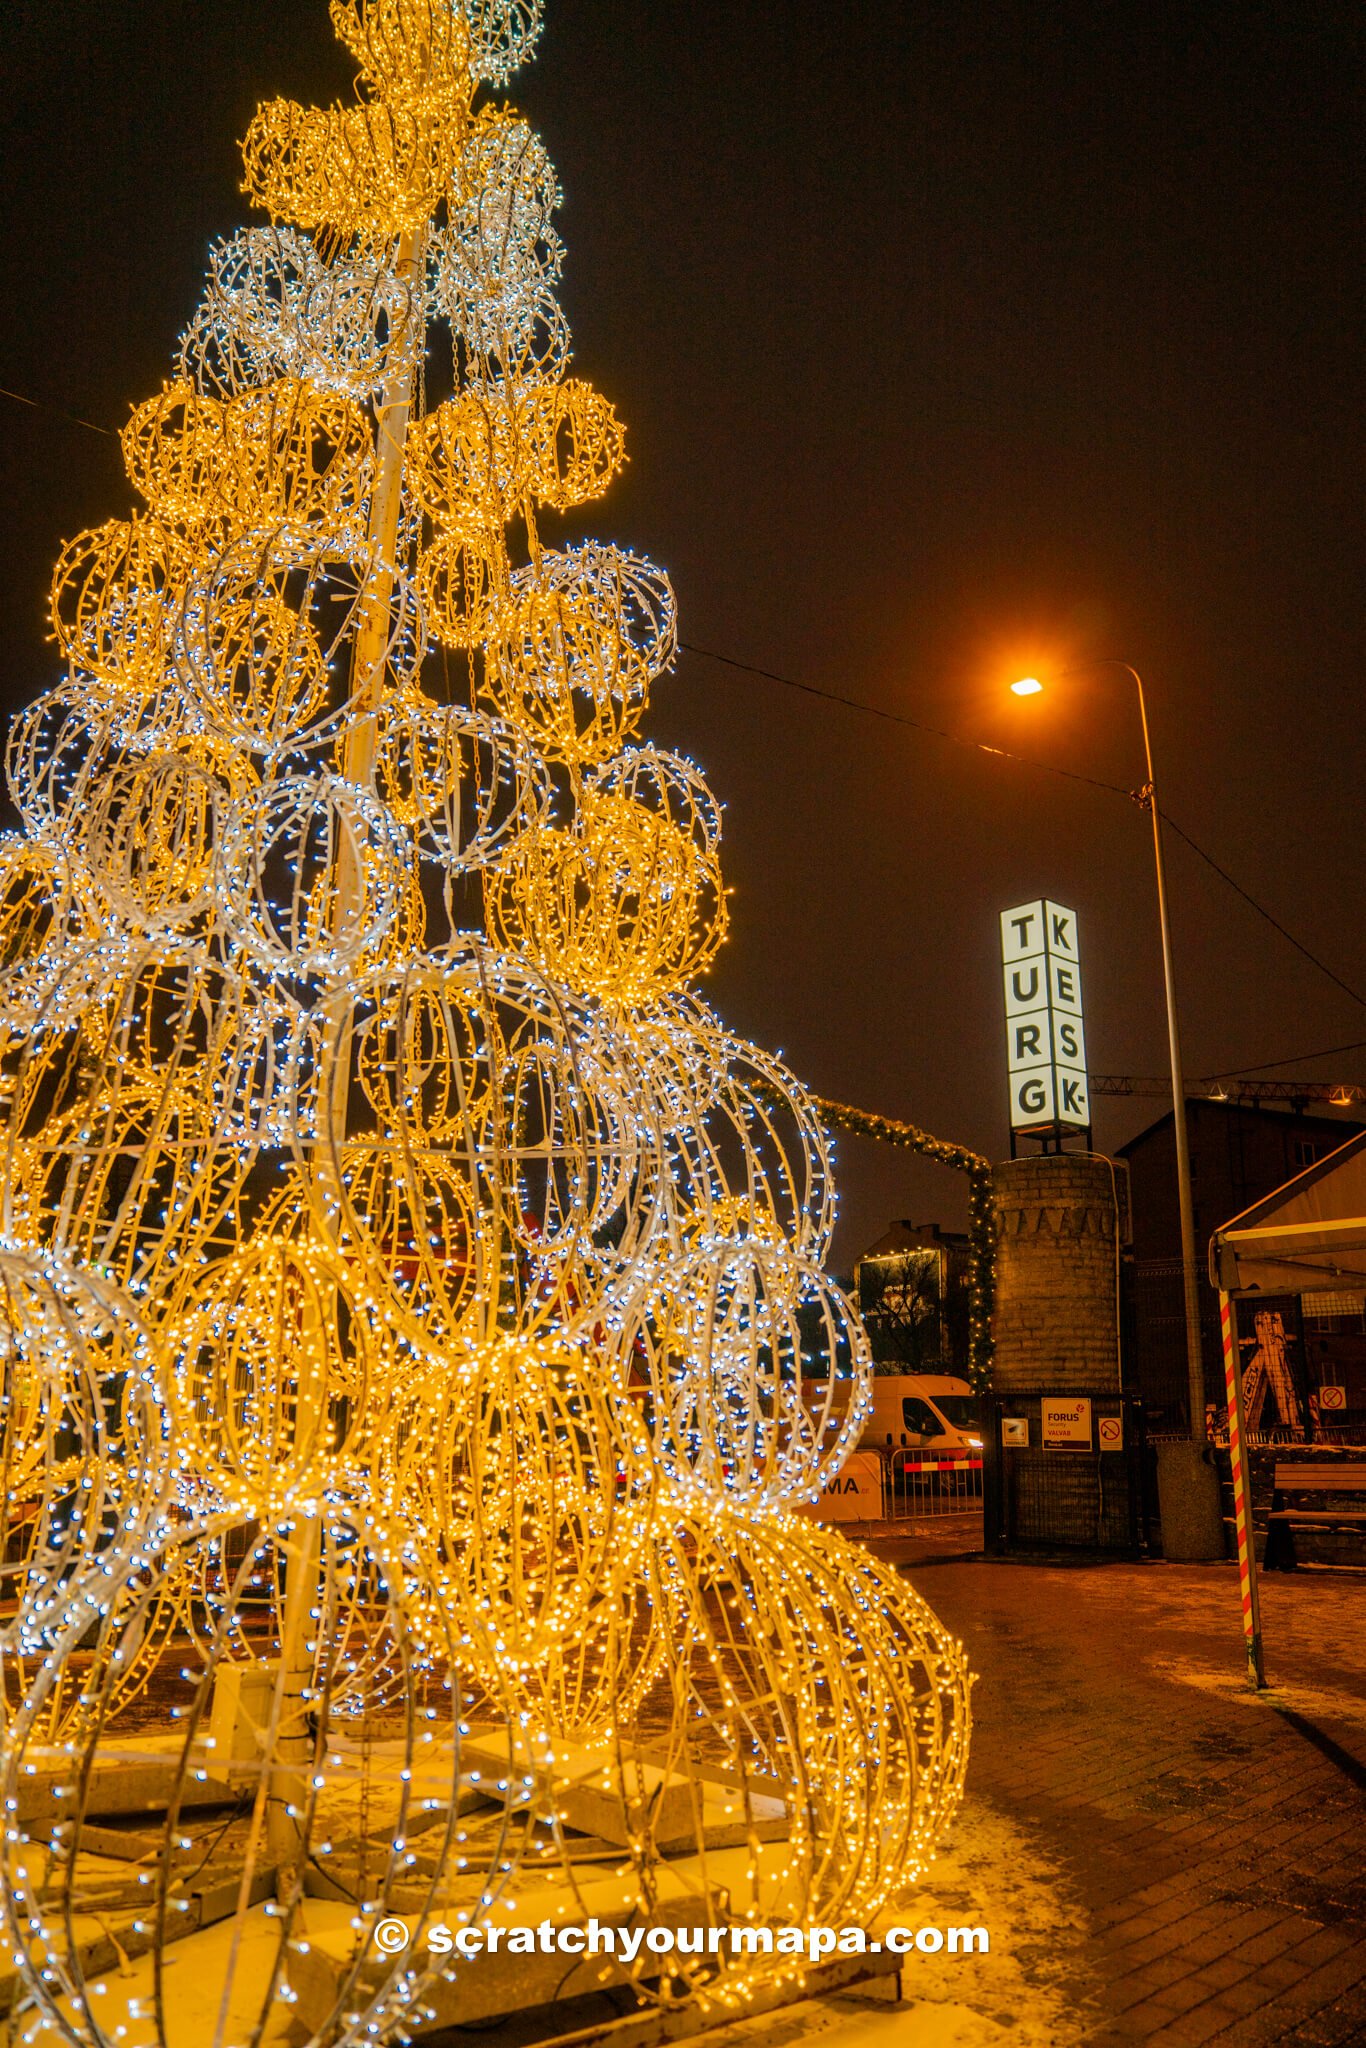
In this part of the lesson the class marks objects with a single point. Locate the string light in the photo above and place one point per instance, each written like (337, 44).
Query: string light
(415, 1340)
(981, 1215)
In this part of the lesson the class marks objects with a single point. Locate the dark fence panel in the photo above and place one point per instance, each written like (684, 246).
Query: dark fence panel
(1155, 1353)
(1045, 1499)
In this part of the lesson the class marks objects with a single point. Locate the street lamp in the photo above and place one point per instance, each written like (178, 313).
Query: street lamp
(1030, 686)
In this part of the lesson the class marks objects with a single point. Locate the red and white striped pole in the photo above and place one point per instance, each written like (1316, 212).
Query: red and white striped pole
(1242, 1496)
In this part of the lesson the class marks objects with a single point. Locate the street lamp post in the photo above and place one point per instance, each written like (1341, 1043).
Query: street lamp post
(1030, 686)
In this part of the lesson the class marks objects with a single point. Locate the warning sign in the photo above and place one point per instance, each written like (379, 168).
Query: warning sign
(1110, 1432)
(1066, 1425)
(1332, 1400)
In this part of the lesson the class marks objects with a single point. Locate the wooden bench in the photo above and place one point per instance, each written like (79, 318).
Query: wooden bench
(1322, 1481)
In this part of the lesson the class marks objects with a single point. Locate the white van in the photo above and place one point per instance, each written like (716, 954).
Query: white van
(922, 1411)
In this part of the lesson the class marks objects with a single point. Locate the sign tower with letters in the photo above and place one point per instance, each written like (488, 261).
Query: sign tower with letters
(1045, 1036)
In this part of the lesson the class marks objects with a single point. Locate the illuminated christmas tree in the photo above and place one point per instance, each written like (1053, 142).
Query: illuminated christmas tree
(409, 1282)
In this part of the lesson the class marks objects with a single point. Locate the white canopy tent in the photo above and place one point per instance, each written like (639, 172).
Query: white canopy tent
(1307, 1238)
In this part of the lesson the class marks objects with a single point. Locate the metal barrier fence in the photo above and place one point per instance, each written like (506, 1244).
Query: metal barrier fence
(921, 1486)
(1352, 1436)
(910, 1488)
(1034, 1498)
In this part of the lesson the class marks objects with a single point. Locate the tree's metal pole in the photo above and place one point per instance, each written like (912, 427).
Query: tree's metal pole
(303, 1621)
(376, 623)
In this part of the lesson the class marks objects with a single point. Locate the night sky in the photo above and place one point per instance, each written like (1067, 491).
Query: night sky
(956, 342)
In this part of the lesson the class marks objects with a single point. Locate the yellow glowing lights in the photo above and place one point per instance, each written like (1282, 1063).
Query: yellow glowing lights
(411, 1295)
(1028, 686)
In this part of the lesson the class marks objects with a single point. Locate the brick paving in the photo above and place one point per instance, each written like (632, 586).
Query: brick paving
(1219, 1854)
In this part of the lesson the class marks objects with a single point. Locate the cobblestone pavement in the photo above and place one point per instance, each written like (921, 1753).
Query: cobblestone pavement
(1214, 1841)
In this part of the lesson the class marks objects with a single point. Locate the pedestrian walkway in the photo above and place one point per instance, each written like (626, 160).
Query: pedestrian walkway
(1209, 1845)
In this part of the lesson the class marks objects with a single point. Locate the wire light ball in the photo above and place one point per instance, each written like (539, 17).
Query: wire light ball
(498, 232)
(527, 1454)
(505, 34)
(758, 1369)
(573, 654)
(495, 265)
(625, 906)
(815, 1676)
(275, 308)
(112, 601)
(284, 458)
(369, 1774)
(464, 783)
(252, 661)
(79, 1375)
(149, 841)
(460, 581)
(269, 1405)
(415, 1341)
(280, 856)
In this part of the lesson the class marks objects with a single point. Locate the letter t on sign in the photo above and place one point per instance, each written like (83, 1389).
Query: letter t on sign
(1024, 933)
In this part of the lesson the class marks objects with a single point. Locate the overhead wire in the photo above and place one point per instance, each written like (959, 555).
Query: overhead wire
(1262, 911)
(1047, 768)
(1297, 1059)
(58, 412)
(940, 732)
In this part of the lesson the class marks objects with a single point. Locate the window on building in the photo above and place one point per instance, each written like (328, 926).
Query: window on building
(1305, 1152)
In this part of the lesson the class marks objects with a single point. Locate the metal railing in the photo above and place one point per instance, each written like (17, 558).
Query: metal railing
(925, 1485)
(1350, 1436)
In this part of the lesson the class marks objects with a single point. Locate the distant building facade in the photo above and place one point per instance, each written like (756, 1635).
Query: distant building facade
(912, 1292)
(1240, 1152)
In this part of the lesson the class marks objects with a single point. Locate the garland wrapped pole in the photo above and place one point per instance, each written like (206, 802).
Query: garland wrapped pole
(405, 1276)
(884, 1130)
